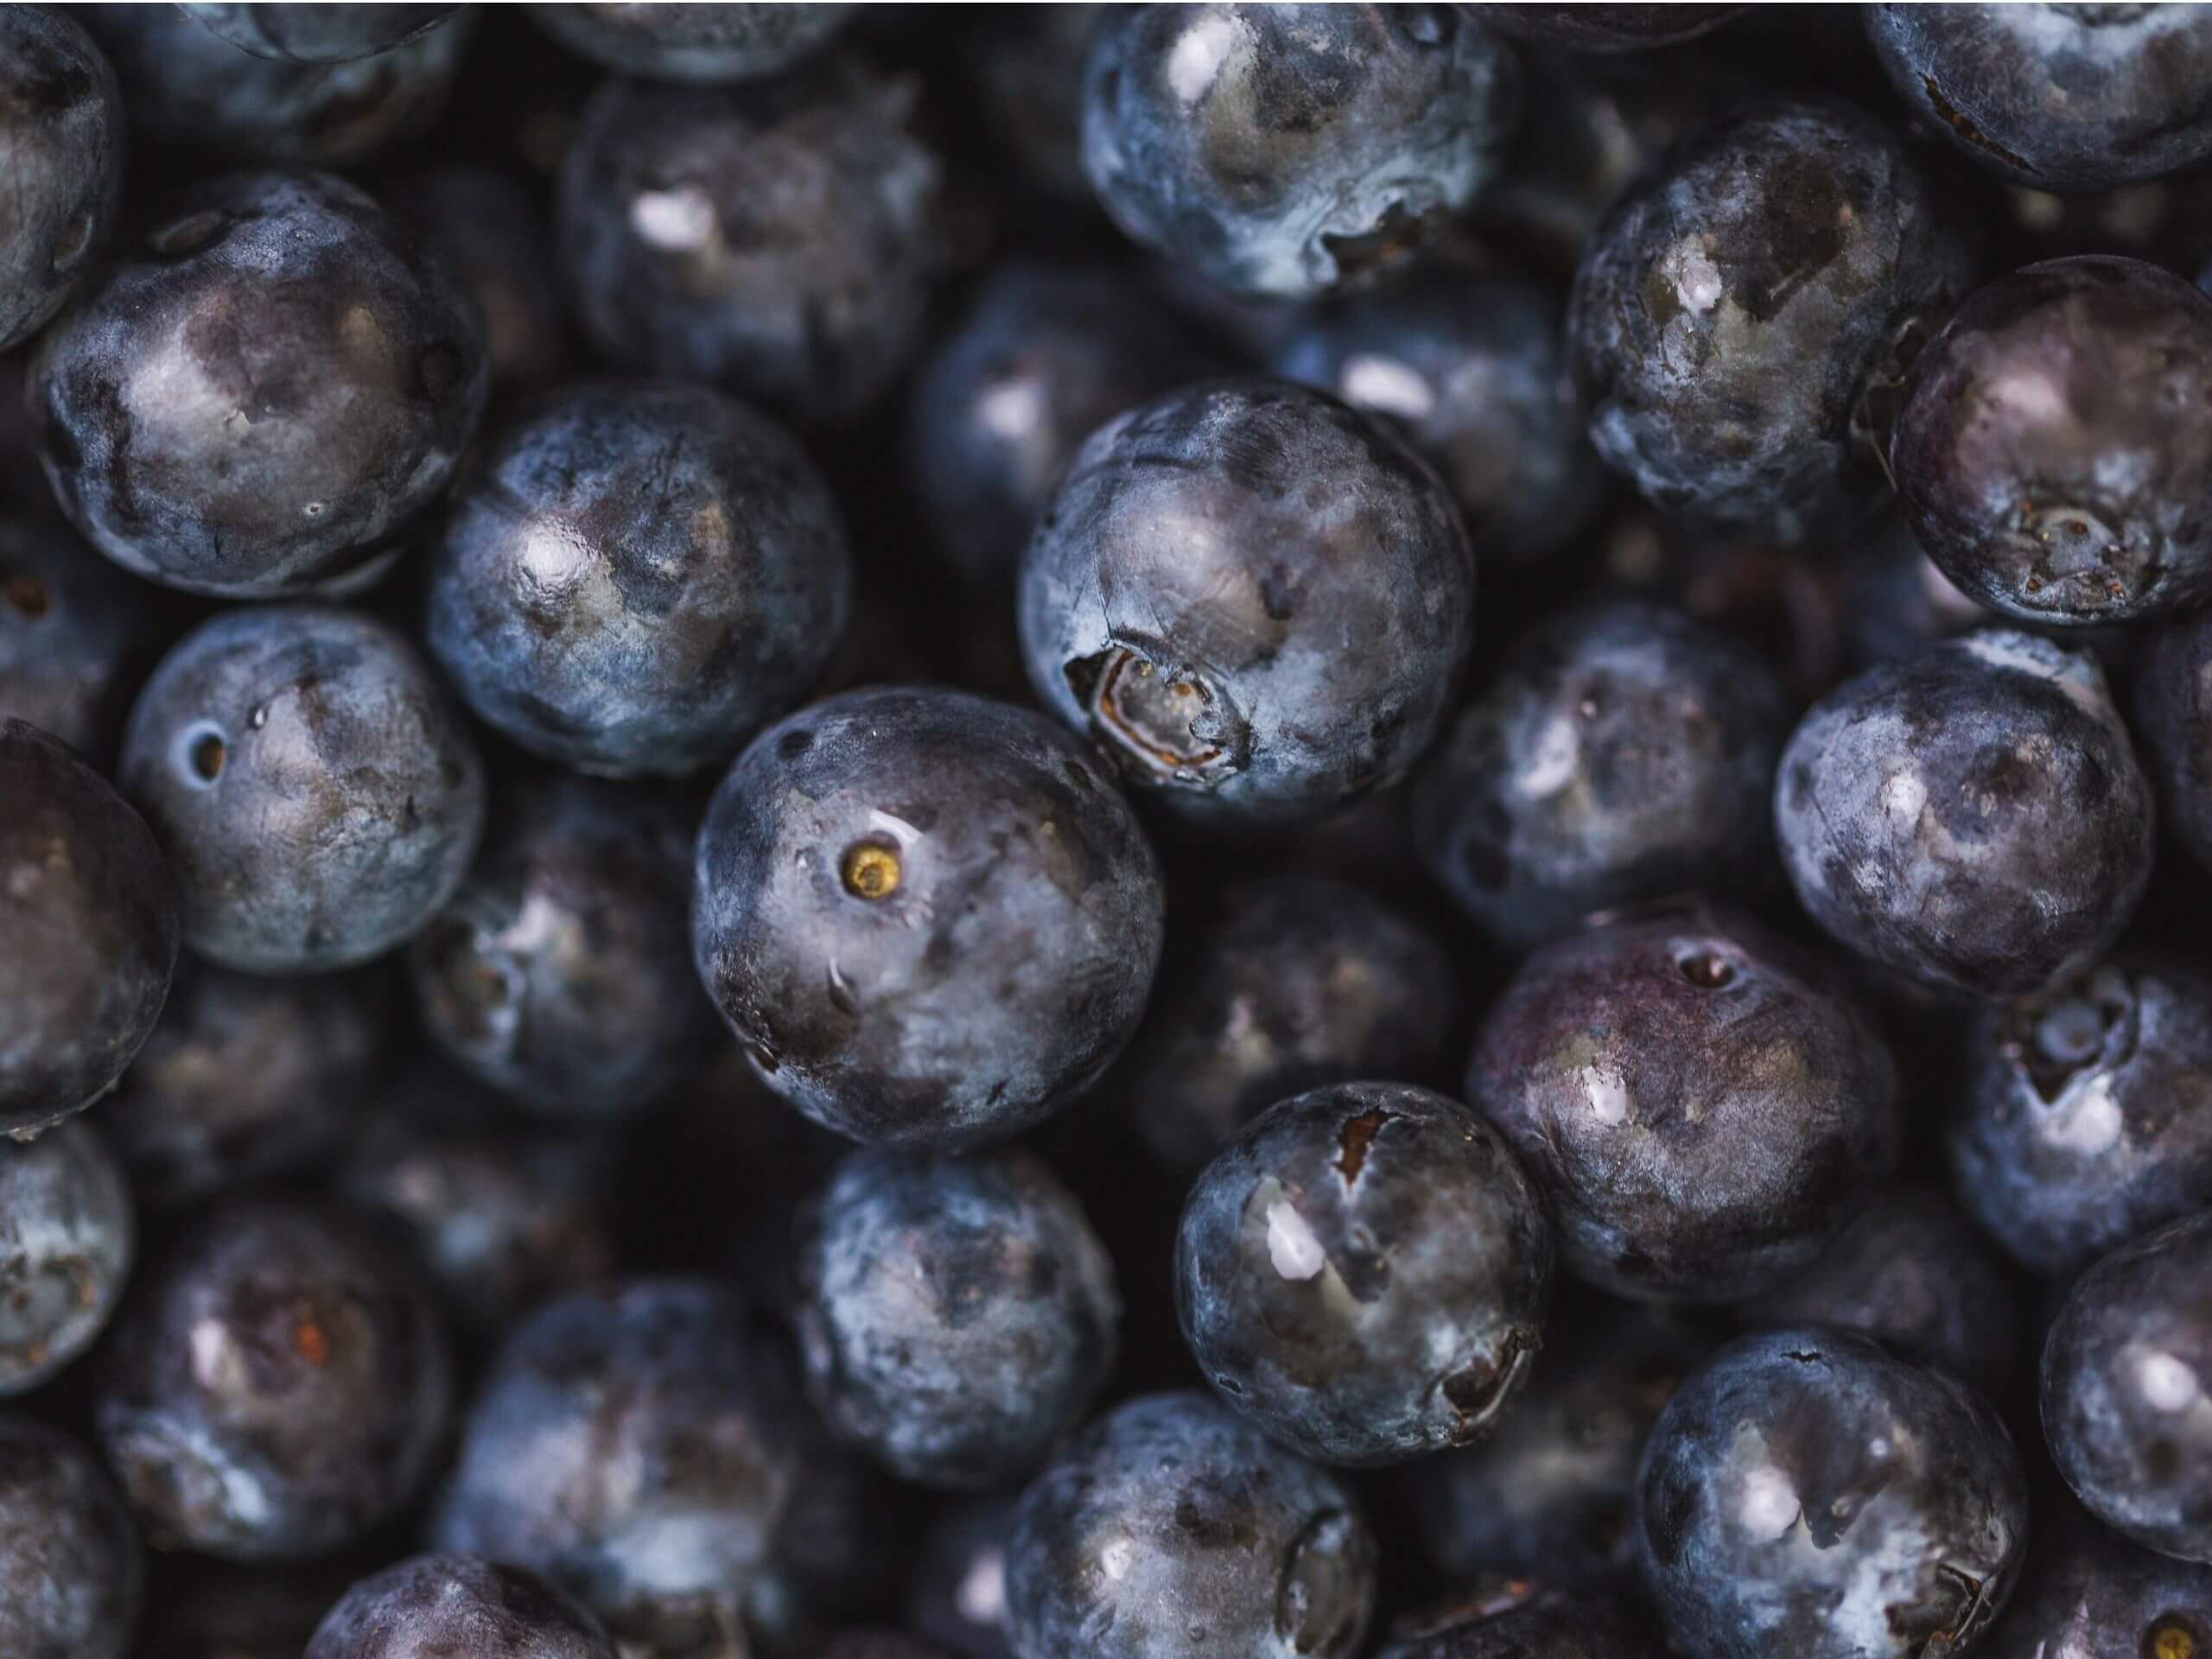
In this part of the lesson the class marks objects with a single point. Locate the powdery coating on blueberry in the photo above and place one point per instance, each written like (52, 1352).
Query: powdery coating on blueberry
(2088, 1593)
(958, 1316)
(2065, 98)
(1736, 300)
(2173, 722)
(781, 239)
(1293, 981)
(70, 1568)
(1625, 752)
(2127, 1366)
(89, 912)
(1808, 1493)
(67, 1239)
(460, 1605)
(1521, 1620)
(263, 393)
(499, 237)
(1971, 819)
(1293, 151)
(1470, 368)
(2054, 450)
(637, 576)
(1607, 27)
(1253, 597)
(1170, 1529)
(244, 1079)
(1702, 1105)
(316, 33)
(276, 1385)
(931, 917)
(61, 131)
(704, 43)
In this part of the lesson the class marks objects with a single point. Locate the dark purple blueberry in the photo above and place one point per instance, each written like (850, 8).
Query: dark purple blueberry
(88, 910)
(1624, 752)
(2126, 1369)
(2173, 722)
(2088, 1593)
(1253, 597)
(1739, 299)
(61, 127)
(70, 1568)
(781, 240)
(1971, 819)
(1295, 151)
(707, 43)
(958, 1596)
(316, 33)
(276, 1385)
(265, 393)
(498, 239)
(1520, 1620)
(318, 795)
(1703, 1104)
(637, 576)
(428, 1606)
(1172, 1530)
(67, 1239)
(1633, 28)
(931, 917)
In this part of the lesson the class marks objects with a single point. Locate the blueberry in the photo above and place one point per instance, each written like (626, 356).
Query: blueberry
(497, 236)
(1633, 28)
(1470, 369)
(1255, 598)
(70, 1563)
(958, 1596)
(276, 1386)
(457, 1604)
(317, 795)
(1737, 302)
(1703, 1104)
(1519, 1620)
(1808, 1493)
(89, 911)
(2123, 1406)
(1624, 752)
(1364, 1274)
(244, 1080)
(61, 126)
(1171, 1527)
(1970, 819)
(931, 917)
(636, 577)
(957, 1315)
(2072, 98)
(292, 294)
(707, 43)
(2173, 722)
(67, 1238)
(1292, 150)
(781, 239)
(1291, 981)
(2089, 1594)
(316, 33)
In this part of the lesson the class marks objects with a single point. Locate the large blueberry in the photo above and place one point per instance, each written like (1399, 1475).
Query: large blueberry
(1971, 819)
(262, 394)
(636, 577)
(1253, 597)
(931, 917)
(457, 1605)
(2088, 1593)
(61, 130)
(71, 1567)
(742, 41)
(316, 33)
(318, 795)
(2173, 722)
(66, 1237)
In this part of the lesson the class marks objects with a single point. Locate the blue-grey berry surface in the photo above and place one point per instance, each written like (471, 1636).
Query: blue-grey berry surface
(67, 1236)
(72, 1569)
(711, 44)
(463, 1605)
(61, 130)
(316, 33)
(2088, 1593)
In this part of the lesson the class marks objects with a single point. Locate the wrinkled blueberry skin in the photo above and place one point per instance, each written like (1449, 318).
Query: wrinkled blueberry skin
(1470, 367)
(1808, 1493)
(435, 1604)
(781, 240)
(710, 44)
(2087, 1117)
(1364, 1274)
(1004, 957)
(1253, 597)
(2054, 450)
(67, 1238)
(958, 1316)
(1045, 355)
(1293, 151)
(2123, 1406)
(499, 240)
(319, 797)
(1702, 1105)
(1626, 751)
(636, 577)
(1736, 302)
(561, 973)
(70, 1568)
(1182, 1531)
(1971, 819)
(244, 1079)
(61, 130)
(292, 294)
(89, 909)
(2173, 722)
(2088, 1593)
(1294, 981)
(2066, 98)
(1519, 1621)
(276, 1386)
(316, 33)
(957, 1594)
(1607, 27)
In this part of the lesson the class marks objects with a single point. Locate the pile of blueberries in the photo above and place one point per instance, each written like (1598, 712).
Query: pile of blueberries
(1105, 832)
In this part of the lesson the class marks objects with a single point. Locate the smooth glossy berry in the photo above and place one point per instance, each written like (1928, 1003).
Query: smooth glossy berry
(462, 1606)
(61, 126)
